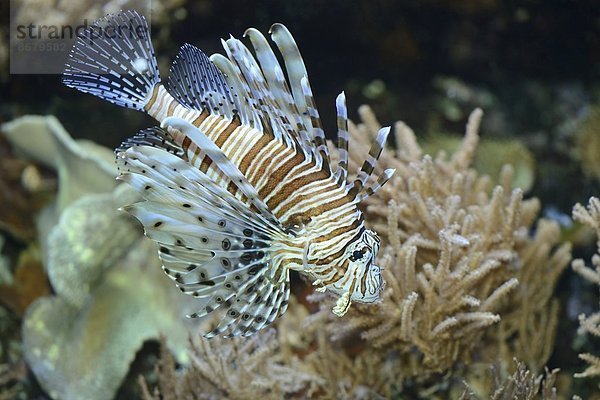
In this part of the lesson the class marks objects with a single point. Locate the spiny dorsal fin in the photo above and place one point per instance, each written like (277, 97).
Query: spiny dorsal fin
(342, 138)
(292, 119)
(271, 111)
(357, 188)
(198, 84)
(294, 65)
(249, 113)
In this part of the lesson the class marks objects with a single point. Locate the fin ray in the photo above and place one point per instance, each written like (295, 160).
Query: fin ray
(224, 164)
(198, 84)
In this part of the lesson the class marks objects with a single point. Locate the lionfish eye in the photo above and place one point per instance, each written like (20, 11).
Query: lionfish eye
(356, 255)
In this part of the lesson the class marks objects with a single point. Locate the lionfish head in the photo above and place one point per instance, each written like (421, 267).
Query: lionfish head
(361, 254)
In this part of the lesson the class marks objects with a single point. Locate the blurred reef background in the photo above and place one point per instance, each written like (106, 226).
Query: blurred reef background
(86, 312)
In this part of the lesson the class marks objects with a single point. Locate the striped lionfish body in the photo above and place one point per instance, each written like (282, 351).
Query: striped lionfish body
(237, 181)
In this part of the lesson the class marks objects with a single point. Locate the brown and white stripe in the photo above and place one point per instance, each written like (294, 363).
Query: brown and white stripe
(297, 190)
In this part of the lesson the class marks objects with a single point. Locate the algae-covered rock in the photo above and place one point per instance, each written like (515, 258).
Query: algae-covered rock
(82, 167)
(90, 237)
(110, 292)
(588, 142)
(111, 296)
(85, 352)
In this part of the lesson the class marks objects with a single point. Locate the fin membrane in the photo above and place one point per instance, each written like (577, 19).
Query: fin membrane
(116, 64)
(198, 84)
(212, 245)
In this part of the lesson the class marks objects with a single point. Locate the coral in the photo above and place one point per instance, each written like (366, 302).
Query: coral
(299, 361)
(90, 238)
(457, 258)
(520, 385)
(238, 368)
(292, 362)
(529, 318)
(589, 324)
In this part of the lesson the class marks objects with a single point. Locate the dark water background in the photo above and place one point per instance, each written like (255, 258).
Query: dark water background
(501, 46)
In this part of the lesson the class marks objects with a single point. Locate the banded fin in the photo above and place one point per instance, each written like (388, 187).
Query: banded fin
(292, 119)
(274, 119)
(301, 90)
(342, 139)
(357, 187)
(318, 135)
(121, 67)
(279, 87)
(294, 65)
(264, 80)
(251, 115)
(273, 74)
(374, 188)
(211, 244)
(271, 301)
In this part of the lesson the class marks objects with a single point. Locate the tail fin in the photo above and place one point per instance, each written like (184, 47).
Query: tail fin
(114, 60)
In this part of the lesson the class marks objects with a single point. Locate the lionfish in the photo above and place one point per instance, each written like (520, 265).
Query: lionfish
(237, 181)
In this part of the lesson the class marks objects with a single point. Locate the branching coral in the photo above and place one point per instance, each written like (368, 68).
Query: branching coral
(530, 317)
(491, 156)
(589, 323)
(521, 385)
(253, 368)
(302, 362)
(292, 362)
(458, 258)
